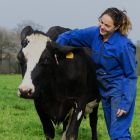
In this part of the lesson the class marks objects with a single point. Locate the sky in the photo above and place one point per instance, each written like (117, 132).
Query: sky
(67, 13)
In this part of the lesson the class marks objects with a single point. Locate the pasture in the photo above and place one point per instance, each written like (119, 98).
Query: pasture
(19, 120)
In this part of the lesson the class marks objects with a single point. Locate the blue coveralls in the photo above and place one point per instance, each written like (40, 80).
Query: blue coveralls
(116, 73)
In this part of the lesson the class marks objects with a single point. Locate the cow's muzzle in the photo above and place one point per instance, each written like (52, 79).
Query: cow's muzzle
(25, 93)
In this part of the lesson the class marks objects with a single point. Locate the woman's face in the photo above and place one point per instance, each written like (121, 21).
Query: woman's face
(106, 25)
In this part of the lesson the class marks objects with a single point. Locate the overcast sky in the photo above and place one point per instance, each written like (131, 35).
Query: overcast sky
(67, 13)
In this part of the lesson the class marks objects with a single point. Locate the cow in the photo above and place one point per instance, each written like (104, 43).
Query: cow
(61, 80)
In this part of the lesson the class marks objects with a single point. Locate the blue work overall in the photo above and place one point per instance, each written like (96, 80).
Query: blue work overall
(116, 73)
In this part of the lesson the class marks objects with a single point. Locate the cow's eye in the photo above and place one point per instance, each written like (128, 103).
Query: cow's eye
(45, 61)
(24, 43)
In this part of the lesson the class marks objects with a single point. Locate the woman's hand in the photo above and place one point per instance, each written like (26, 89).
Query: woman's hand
(121, 112)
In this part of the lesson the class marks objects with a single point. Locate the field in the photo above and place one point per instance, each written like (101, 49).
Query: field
(19, 120)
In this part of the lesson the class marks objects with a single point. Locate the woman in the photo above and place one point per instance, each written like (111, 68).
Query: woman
(114, 55)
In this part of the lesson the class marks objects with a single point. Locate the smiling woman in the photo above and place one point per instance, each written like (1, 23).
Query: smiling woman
(114, 20)
(114, 55)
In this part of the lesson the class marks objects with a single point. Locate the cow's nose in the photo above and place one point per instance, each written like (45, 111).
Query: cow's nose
(25, 92)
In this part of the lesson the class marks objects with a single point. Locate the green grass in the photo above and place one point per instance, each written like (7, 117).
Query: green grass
(19, 120)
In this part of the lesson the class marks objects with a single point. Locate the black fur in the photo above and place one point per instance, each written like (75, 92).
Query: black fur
(62, 84)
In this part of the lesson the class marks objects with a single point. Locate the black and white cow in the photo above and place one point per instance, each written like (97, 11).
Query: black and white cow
(61, 80)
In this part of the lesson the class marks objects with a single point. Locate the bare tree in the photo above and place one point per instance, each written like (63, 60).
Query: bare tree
(10, 45)
(24, 23)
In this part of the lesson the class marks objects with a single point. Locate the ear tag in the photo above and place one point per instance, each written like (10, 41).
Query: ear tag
(70, 55)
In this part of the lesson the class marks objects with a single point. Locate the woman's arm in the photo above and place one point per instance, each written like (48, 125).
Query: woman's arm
(128, 62)
(78, 37)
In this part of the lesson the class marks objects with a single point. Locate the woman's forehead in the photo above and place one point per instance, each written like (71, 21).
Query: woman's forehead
(106, 19)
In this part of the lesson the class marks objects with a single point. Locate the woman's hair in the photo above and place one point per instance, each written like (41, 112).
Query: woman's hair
(120, 19)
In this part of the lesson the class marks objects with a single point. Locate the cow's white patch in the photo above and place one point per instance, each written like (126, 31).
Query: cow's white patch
(90, 106)
(32, 52)
(63, 136)
(79, 115)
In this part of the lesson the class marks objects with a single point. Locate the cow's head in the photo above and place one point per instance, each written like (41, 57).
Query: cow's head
(37, 57)
(33, 45)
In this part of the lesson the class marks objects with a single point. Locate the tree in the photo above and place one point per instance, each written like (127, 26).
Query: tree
(35, 26)
(10, 45)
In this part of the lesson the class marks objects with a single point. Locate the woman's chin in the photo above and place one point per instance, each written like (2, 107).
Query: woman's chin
(102, 33)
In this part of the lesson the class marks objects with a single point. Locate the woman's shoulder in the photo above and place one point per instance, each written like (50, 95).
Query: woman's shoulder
(90, 29)
(122, 39)
(125, 38)
(125, 43)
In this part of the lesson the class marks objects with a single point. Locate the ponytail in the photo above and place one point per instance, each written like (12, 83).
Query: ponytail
(125, 24)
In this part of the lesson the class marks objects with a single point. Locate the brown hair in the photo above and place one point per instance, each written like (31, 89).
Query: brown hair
(120, 19)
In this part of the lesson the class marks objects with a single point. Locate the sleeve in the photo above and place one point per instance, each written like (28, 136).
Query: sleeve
(77, 37)
(128, 62)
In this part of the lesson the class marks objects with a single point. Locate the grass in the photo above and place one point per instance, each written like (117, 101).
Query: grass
(19, 120)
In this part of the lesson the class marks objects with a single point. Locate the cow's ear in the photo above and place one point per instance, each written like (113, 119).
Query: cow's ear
(26, 31)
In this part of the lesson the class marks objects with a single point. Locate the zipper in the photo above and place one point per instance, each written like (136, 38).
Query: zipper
(100, 54)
